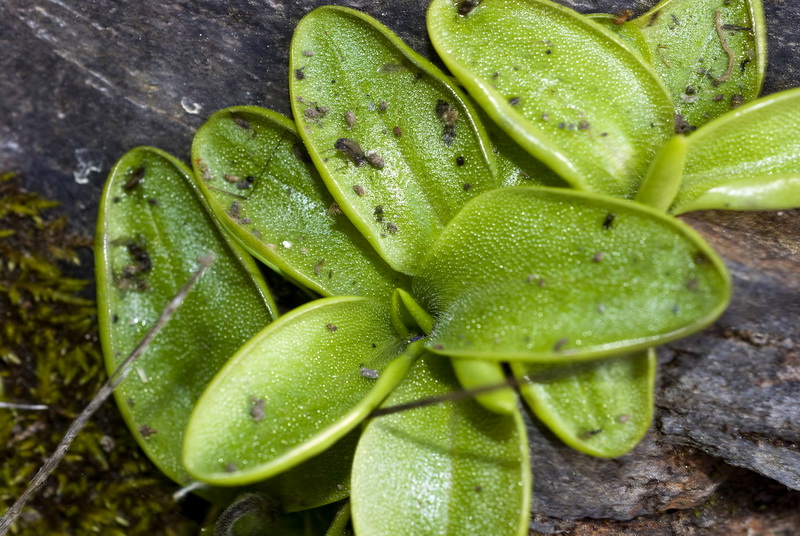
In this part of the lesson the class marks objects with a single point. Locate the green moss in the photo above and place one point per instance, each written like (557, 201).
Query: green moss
(49, 354)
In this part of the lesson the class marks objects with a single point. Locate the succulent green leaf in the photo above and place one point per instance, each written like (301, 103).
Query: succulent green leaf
(451, 468)
(631, 34)
(399, 146)
(402, 320)
(710, 54)
(318, 481)
(478, 373)
(254, 514)
(746, 159)
(663, 179)
(295, 389)
(341, 523)
(565, 89)
(515, 166)
(554, 275)
(421, 320)
(602, 408)
(260, 183)
(152, 229)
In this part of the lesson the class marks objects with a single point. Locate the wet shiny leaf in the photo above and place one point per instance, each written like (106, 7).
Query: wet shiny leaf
(745, 160)
(560, 85)
(553, 275)
(294, 389)
(602, 408)
(451, 468)
(259, 181)
(398, 145)
(710, 54)
(152, 229)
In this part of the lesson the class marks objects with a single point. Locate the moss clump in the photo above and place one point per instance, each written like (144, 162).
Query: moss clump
(50, 354)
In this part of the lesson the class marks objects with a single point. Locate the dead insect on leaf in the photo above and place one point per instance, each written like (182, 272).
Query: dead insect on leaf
(623, 17)
(257, 410)
(146, 431)
(136, 178)
(350, 119)
(369, 373)
(449, 117)
(243, 123)
(352, 150)
(246, 183)
(375, 160)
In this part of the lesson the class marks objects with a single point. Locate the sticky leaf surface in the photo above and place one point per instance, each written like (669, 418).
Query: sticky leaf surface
(151, 231)
(552, 275)
(320, 480)
(294, 389)
(745, 160)
(564, 88)
(413, 150)
(602, 408)
(452, 468)
(261, 184)
(710, 54)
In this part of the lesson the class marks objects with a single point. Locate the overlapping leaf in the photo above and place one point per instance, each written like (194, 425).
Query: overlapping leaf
(602, 408)
(711, 54)
(152, 229)
(260, 183)
(451, 468)
(554, 275)
(745, 160)
(413, 151)
(294, 389)
(542, 72)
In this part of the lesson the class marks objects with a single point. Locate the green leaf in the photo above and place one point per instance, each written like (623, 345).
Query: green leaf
(294, 389)
(746, 159)
(565, 89)
(341, 523)
(152, 229)
(478, 373)
(318, 481)
(451, 468)
(353, 80)
(630, 34)
(710, 54)
(402, 320)
(663, 179)
(515, 166)
(259, 182)
(553, 275)
(602, 408)
(414, 316)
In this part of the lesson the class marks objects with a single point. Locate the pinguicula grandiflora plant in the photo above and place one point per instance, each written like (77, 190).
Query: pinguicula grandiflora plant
(528, 240)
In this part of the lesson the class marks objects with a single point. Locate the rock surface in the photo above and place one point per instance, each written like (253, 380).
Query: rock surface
(83, 81)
